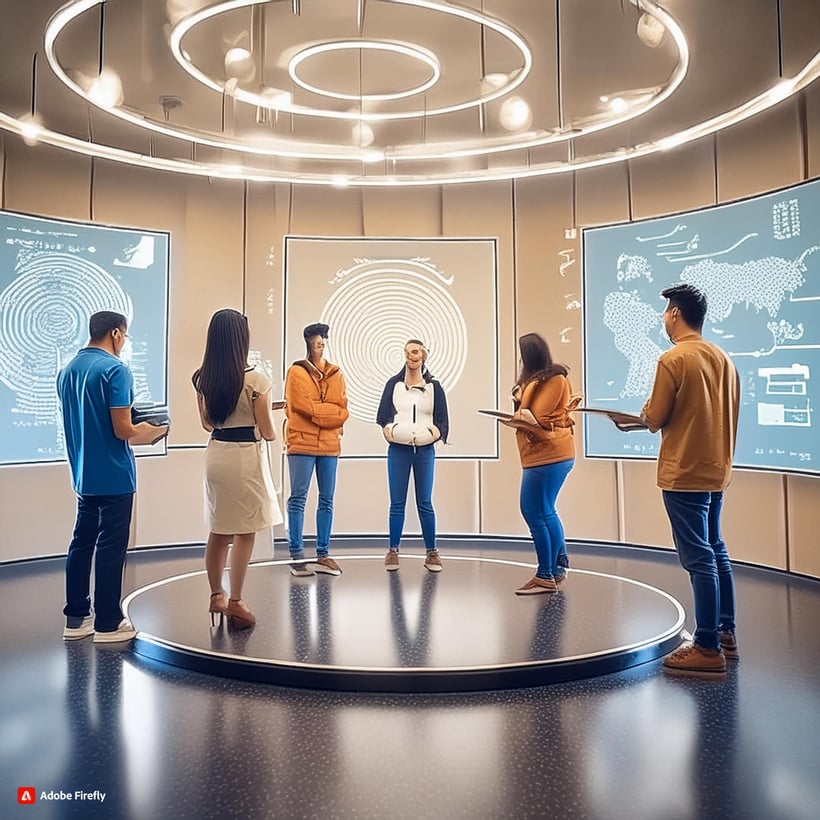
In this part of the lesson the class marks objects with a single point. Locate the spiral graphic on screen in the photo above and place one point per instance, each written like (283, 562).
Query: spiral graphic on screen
(44, 316)
(378, 307)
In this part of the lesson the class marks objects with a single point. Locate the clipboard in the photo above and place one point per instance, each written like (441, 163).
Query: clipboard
(623, 421)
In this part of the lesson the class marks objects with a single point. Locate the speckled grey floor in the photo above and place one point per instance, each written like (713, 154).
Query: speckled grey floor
(164, 742)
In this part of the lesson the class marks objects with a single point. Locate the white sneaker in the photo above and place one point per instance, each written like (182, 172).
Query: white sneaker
(124, 632)
(74, 633)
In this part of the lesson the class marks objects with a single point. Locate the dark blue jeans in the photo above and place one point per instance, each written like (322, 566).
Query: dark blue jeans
(695, 520)
(301, 469)
(100, 535)
(539, 492)
(401, 459)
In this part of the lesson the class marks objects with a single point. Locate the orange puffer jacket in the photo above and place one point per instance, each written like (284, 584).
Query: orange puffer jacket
(316, 409)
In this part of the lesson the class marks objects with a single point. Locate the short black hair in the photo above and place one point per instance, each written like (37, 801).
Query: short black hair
(102, 323)
(690, 302)
(316, 329)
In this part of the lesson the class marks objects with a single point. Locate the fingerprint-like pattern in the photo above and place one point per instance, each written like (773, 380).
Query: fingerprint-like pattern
(373, 314)
(44, 316)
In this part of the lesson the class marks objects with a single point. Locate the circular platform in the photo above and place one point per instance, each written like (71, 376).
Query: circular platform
(412, 630)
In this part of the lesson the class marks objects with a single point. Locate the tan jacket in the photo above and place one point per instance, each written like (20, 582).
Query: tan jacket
(552, 439)
(694, 403)
(316, 409)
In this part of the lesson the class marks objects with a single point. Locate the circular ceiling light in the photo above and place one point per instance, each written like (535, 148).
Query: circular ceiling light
(363, 135)
(239, 64)
(405, 49)
(515, 114)
(105, 90)
(514, 79)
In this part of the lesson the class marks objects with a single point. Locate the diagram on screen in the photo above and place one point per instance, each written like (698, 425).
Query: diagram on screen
(757, 261)
(53, 276)
(375, 295)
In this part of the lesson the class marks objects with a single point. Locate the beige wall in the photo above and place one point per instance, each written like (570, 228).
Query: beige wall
(226, 249)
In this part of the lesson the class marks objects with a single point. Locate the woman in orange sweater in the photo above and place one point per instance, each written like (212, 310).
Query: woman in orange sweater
(543, 431)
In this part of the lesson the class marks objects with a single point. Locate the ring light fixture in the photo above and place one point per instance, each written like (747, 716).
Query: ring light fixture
(352, 163)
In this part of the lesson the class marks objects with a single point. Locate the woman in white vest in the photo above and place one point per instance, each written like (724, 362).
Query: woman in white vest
(413, 416)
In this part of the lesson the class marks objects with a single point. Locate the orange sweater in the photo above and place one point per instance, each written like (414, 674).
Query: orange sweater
(553, 439)
(316, 409)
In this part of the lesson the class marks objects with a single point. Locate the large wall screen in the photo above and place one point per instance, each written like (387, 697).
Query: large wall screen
(757, 261)
(53, 276)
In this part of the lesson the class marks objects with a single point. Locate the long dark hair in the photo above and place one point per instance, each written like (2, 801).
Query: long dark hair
(536, 360)
(222, 375)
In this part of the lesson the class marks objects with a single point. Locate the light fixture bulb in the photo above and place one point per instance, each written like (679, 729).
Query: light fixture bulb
(239, 63)
(515, 114)
(650, 30)
(618, 104)
(106, 89)
(30, 128)
(363, 134)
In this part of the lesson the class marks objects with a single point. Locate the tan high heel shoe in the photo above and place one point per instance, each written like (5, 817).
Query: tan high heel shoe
(239, 615)
(218, 606)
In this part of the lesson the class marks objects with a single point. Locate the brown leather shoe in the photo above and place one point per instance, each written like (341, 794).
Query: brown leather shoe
(391, 560)
(537, 586)
(694, 658)
(326, 566)
(432, 561)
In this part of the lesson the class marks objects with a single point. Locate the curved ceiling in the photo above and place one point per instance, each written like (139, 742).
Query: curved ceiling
(394, 92)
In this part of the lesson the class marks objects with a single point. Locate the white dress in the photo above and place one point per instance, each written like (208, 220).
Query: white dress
(239, 490)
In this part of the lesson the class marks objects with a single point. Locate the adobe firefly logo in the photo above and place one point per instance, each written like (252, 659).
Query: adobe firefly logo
(26, 795)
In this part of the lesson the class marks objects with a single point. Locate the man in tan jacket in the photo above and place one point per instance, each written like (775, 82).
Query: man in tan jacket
(694, 403)
(316, 410)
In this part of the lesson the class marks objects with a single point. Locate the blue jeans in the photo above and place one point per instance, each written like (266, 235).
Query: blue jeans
(401, 458)
(695, 520)
(100, 535)
(539, 492)
(301, 469)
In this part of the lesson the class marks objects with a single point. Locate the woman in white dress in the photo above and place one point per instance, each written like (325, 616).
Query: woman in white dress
(235, 408)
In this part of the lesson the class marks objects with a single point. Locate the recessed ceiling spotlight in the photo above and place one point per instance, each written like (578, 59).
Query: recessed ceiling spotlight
(650, 30)
(515, 114)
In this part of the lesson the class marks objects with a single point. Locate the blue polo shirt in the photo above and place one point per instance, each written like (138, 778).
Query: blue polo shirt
(91, 384)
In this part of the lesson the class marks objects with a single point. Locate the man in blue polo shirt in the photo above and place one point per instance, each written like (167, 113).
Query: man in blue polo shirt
(96, 391)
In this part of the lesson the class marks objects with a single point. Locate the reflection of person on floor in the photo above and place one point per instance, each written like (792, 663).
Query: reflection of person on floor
(312, 637)
(235, 407)
(316, 410)
(694, 403)
(96, 391)
(97, 722)
(413, 416)
(413, 650)
(546, 446)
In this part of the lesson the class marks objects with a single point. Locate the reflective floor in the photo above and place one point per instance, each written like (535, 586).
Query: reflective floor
(410, 630)
(160, 741)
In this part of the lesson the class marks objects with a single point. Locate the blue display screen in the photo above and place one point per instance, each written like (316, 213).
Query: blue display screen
(758, 263)
(53, 275)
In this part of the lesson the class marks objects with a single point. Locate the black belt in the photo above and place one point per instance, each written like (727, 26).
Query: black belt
(234, 434)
